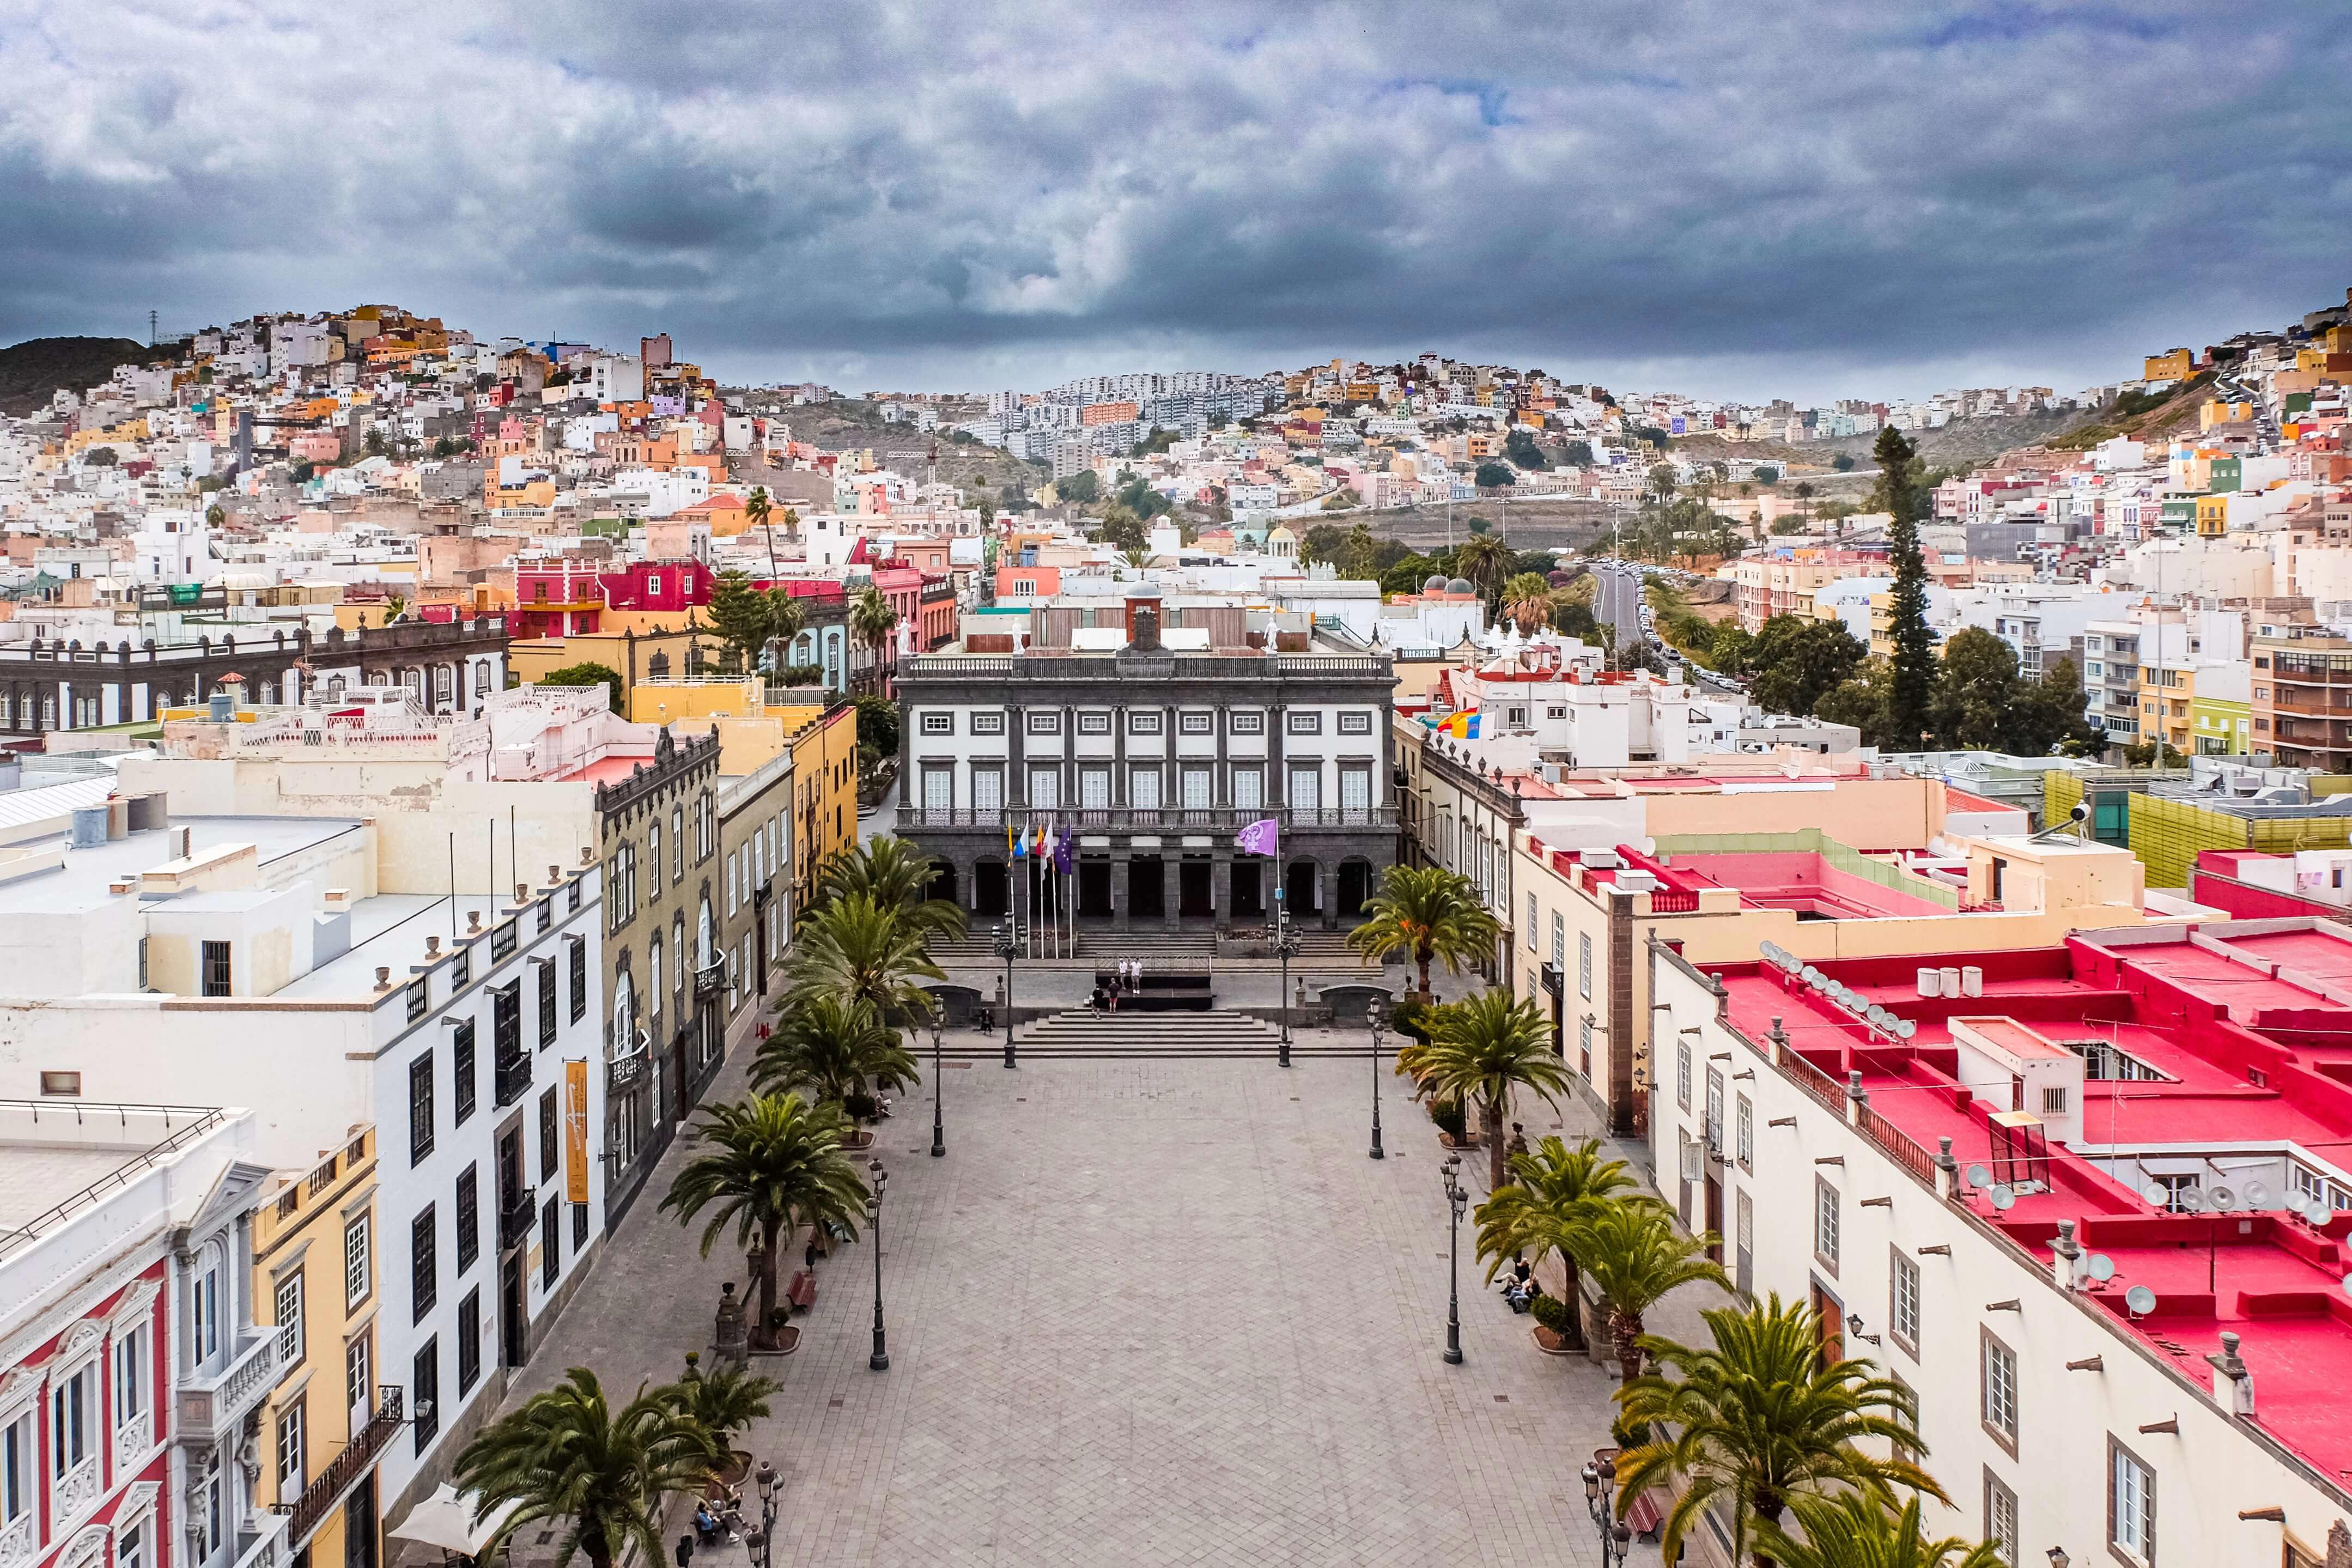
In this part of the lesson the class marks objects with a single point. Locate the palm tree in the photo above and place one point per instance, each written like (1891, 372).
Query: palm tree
(786, 618)
(898, 876)
(1527, 600)
(1855, 1530)
(564, 1455)
(857, 947)
(723, 1403)
(871, 622)
(1636, 1258)
(773, 1162)
(835, 1045)
(1479, 1051)
(1758, 1420)
(1427, 913)
(1485, 560)
(756, 512)
(1552, 1189)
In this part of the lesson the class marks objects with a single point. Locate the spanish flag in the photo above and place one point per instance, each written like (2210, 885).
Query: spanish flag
(1464, 725)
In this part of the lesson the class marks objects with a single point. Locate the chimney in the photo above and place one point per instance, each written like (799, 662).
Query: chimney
(2234, 1382)
(2065, 1258)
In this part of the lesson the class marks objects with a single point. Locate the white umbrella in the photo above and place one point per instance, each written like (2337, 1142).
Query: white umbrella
(445, 1520)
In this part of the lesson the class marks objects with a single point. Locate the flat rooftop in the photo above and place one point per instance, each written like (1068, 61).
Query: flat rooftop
(2222, 1055)
(85, 874)
(57, 1157)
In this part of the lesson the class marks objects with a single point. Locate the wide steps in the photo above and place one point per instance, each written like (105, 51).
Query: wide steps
(1080, 1034)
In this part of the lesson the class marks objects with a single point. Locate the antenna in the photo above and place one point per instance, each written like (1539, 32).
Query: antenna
(2140, 1301)
(2102, 1268)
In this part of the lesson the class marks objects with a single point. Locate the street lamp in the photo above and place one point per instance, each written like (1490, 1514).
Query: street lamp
(1285, 943)
(939, 1129)
(1008, 943)
(880, 1359)
(1457, 1198)
(1377, 1016)
(1601, 1502)
(760, 1543)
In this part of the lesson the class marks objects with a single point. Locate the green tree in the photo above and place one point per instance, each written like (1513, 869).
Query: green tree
(1122, 529)
(2046, 715)
(723, 1403)
(1578, 455)
(1975, 687)
(588, 674)
(1798, 661)
(878, 724)
(1362, 553)
(1485, 560)
(1494, 475)
(1859, 700)
(1480, 1051)
(1858, 1530)
(768, 1164)
(1636, 1258)
(1553, 1188)
(1520, 448)
(1527, 601)
(1662, 481)
(896, 875)
(872, 620)
(1842, 463)
(866, 950)
(786, 620)
(302, 471)
(1571, 620)
(214, 516)
(740, 613)
(757, 509)
(1407, 575)
(1761, 1417)
(1426, 914)
(566, 1458)
(1081, 488)
(1911, 686)
(837, 1048)
(1732, 649)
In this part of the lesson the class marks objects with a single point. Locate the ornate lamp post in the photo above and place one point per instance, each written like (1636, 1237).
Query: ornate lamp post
(939, 1127)
(1456, 1199)
(1287, 945)
(880, 1359)
(760, 1543)
(1377, 1016)
(1601, 1502)
(1008, 943)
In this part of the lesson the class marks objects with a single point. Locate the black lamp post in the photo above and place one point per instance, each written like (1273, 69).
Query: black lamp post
(1008, 943)
(1285, 944)
(1378, 1017)
(762, 1541)
(939, 1127)
(1456, 1199)
(1601, 1502)
(880, 1359)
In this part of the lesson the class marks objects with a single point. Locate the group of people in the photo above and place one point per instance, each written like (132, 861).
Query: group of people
(1126, 976)
(1519, 1286)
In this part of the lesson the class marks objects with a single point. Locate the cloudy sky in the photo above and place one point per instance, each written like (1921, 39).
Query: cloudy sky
(1813, 200)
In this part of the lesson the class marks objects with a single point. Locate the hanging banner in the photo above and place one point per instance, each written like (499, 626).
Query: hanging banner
(576, 1130)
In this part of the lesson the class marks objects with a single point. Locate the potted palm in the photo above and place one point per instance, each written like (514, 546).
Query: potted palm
(1756, 1420)
(769, 1164)
(1858, 1529)
(1425, 915)
(566, 1458)
(1553, 1188)
(724, 1403)
(1480, 1051)
(867, 950)
(836, 1047)
(1632, 1252)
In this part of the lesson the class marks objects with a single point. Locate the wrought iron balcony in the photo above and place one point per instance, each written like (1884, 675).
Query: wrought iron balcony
(211, 1407)
(515, 1216)
(512, 1078)
(328, 1489)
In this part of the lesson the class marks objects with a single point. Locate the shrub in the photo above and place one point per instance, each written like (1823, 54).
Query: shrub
(1405, 1017)
(862, 1107)
(1551, 1312)
(1447, 1114)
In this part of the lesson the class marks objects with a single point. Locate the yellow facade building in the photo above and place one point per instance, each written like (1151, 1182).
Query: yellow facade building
(335, 1410)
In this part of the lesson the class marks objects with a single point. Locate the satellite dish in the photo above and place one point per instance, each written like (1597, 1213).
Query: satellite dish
(2193, 1200)
(1810, 976)
(2347, 1284)
(2223, 1199)
(2158, 1193)
(2257, 1194)
(2004, 1198)
(2317, 1212)
(1906, 1028)
(2103, 1268)
(2140, 1301)
(1980, 1176)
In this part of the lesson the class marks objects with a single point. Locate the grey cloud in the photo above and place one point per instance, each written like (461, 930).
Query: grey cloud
(1834, 196)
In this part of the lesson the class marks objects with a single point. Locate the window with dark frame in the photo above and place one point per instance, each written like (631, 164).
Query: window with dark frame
(550, 1139)
(470, 1341)
(1826, 1225)
(579, 977)
(1903, 1306)
(468, 1211)
(1245, 722)
(1997, 1374)
(420, 1109)
(547, 988)
(2000, 1518)
(578, 1226)
(425, 1395)
(423, 1263)
(2131, 1505)
(550, 1242)
(462, 1088)
(217, 970)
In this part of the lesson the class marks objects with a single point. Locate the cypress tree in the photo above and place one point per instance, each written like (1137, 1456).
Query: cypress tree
(1911, 686)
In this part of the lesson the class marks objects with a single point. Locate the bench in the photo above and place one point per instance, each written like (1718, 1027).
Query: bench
(1644, 1516)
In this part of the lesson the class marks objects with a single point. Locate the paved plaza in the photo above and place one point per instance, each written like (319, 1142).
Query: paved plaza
(1145, 1311)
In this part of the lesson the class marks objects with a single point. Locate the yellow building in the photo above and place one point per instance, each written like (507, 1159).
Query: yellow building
(2177, 365)
(2212, 516)
(2217, 412)
(632, 655)
(824, 793)
(335, 1410)
(2167, 693)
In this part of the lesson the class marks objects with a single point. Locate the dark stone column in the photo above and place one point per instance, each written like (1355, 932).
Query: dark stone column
(1119, 887)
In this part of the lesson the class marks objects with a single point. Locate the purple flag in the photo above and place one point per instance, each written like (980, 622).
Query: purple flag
(1260, 837)
(1065, 850)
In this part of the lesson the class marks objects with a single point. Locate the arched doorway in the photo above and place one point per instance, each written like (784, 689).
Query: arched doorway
(1355, 887)
(944, 880)
(988, 888)
(1301, 889)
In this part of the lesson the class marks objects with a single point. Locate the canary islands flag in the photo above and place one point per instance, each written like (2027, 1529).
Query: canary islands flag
(1465, 725)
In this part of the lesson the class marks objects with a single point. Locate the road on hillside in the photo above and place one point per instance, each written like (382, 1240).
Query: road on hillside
(1617, 605)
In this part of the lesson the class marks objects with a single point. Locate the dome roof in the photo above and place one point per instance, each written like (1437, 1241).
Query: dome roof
(1281, 535)
(1433, 583)
(1460, 585)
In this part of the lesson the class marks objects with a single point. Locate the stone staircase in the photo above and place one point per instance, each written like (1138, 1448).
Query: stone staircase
(1079, 1035)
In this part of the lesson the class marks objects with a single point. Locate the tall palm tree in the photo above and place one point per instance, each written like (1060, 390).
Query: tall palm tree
(871, 622)
(786, 619)
(1553, 1188)
(1635, 1255)
(1427, 913)
(566, 1456)
(770, 1162)
(835, 1045)
(860, 948)
(1856, 1530)
(756, 512)
(1527, 601)
(1485, 560)
(1479, 1051)
(1758, 1421)
(897, 875)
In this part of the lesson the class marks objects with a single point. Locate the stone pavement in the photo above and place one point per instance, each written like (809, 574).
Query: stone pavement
(1143, 1312)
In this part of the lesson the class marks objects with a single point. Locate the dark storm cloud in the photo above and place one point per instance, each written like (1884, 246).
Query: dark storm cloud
(988, 194)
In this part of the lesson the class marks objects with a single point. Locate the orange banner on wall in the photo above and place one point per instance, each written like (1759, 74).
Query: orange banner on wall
(576, 1130)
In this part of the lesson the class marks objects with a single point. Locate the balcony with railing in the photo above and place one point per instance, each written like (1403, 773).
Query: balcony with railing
(212, 1405)
(516, 1212)
(328, 1489)
(1147, 818)
(511, 1077)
